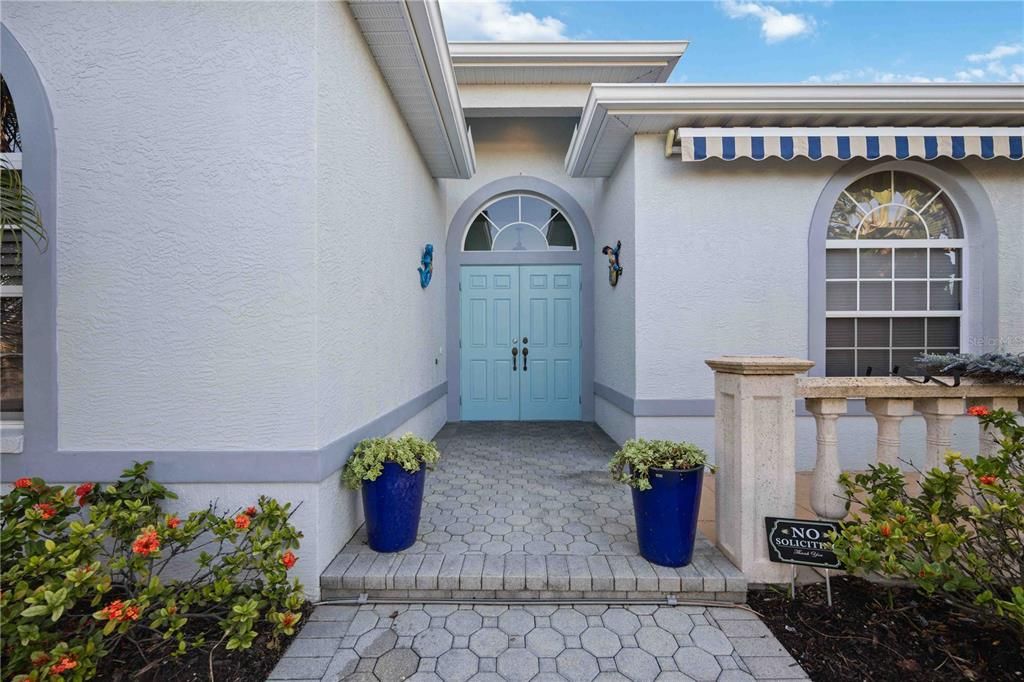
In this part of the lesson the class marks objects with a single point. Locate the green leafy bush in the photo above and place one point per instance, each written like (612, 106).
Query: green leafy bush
(367, 461)
(961, 536)
(633, 463)
(82, 576)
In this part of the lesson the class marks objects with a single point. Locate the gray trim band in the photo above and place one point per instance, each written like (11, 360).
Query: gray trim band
(692, 407)
(215, 466)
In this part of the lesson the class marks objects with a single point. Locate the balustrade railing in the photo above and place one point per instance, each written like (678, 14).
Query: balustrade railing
(755, 440)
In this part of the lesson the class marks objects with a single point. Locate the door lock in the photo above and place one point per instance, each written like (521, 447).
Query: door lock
(515, 352)
(526, 351)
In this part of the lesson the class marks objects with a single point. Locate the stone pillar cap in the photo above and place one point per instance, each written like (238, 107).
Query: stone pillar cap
(759, 364)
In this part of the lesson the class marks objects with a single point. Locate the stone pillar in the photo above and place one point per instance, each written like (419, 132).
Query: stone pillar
(987, 437)
(889, 414)
(938, 416)
(755, 453)
(826, 492)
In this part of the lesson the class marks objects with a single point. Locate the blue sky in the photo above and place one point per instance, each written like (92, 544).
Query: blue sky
(739, 41)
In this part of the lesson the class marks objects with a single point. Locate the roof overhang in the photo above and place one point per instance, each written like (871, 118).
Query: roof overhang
(407, 40)
(613, 114)
(579, 62)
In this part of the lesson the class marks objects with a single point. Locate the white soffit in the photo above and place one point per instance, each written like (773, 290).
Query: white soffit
(615, 113)
(576, 62)
(406, 38)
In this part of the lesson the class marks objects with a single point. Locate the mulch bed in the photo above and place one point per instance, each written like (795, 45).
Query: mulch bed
(865, 636)
(251, 665)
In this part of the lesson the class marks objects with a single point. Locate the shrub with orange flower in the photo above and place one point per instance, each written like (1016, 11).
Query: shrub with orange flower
(288, 559)
(988, 479)
(978, 411)
(46, 509)
(242, 522)
(63, 665)
(82, 492)
(173, 522)
(250, 511)
(148, 542)
(23, 483)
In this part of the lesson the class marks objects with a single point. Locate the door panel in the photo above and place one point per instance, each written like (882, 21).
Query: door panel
(500, 304)
(489, 313)
(550, 380)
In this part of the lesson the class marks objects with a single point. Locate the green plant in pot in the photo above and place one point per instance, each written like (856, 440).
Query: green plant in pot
(391, 473)
(666, 478)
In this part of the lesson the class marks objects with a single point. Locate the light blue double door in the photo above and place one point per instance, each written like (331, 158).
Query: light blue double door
(519, 335)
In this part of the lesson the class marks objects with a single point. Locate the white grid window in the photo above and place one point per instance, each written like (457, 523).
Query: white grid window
(894, 271)
(12, 379)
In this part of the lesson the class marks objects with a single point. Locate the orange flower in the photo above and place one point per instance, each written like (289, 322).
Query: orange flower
(23, 483)
(46, 509)
(250, 511)
(978, 411)
(66, 663)
(988, 479)
(173, 522)
(148, 542)
(114, 610)
(886, 530)
(288, 619)
(242, 522)
(288, 559)
(131, 613)
(82, 491)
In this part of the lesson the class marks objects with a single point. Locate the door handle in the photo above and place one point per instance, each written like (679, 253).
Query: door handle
(515, 352)
(526, 351)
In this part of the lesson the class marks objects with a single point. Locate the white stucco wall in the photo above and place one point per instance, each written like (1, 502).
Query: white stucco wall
(722, 253)
(186, 229)
(522, 146)
(379, 335)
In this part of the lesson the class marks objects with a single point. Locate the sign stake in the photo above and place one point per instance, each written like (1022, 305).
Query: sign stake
(792, 581)
(828, 588)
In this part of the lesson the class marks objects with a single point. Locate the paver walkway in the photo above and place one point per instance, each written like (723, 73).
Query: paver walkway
(516, 510)
(486, 642)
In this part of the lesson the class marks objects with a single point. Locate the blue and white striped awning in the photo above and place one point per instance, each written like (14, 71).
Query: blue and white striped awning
(698, 144)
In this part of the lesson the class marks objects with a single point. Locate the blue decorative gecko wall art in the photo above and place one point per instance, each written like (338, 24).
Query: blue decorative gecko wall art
(614, 268)
(426, 268)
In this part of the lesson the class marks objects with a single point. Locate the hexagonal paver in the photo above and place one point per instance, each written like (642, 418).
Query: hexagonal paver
(621, 621)
(697, 663)
(375, 642)
(674, 620)
(496, 547)
(656, 641)
(569, 621)
(546, 642)
(637, 664)
(711, 640)
(463, 622)
(397, 664)
(601, 642)
(518, 665)
(516, 622)
(488, 642)
(433, 642)
(538, 547)
(411, 623)
(457, 665)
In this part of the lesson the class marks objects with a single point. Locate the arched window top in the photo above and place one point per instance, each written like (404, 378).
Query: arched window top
(893, 205)
(520, 222)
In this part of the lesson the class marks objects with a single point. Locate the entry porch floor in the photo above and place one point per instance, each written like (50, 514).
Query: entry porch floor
(526, 510)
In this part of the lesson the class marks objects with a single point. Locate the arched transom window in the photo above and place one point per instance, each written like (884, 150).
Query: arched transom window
(520, 222)
(894, 275)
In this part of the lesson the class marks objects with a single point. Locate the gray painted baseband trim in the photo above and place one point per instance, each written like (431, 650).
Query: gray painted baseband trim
(694, 407)
(216, 466)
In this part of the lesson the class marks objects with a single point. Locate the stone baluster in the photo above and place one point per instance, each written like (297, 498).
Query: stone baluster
(755, 452)
(938, 416)
(889, 414)
(826, 493)
(987, 444)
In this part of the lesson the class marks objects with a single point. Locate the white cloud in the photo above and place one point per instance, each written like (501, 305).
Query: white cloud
(775, 25)
(496, 20)
(996, 53)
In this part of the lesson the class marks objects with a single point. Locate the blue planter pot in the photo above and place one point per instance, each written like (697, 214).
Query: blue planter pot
(392, 506)
(666, 515)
